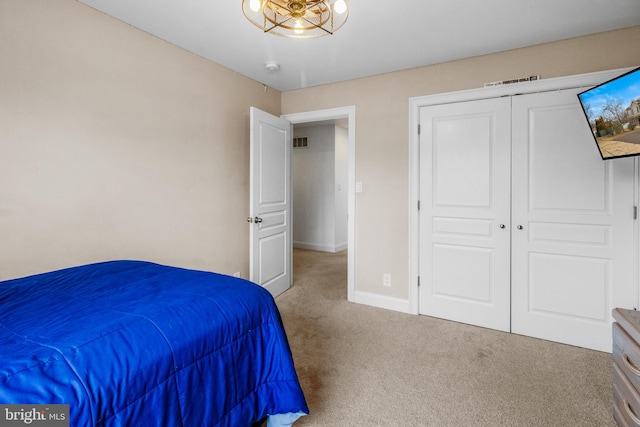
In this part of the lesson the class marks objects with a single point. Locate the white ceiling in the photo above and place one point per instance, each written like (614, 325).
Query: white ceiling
(378, 37)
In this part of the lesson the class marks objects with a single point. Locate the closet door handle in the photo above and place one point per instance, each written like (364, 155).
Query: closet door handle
(502, 226)
(520, 227)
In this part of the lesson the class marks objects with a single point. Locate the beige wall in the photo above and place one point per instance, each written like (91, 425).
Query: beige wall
(115, 144)
(382, 138)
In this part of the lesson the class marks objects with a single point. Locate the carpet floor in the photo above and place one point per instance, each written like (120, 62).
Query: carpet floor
(364, 366)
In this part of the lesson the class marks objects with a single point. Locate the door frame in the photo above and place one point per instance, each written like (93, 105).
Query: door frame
(349, 113)
(415, 103)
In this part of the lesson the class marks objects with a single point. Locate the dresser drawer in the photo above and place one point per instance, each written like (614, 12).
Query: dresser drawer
(626, 400)
(617, 416)
(626, 354)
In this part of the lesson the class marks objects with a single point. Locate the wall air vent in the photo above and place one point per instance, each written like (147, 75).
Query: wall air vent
(301, 142)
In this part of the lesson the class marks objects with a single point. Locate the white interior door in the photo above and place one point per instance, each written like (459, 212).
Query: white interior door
(270, 202)
(572, 225)
(465, 212)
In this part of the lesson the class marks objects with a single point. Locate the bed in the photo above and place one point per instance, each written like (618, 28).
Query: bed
(133, 343)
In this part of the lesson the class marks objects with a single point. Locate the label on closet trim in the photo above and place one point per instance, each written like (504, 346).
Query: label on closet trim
(507, 82)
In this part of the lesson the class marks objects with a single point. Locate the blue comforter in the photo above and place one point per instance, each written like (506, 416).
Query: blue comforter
(131, 343)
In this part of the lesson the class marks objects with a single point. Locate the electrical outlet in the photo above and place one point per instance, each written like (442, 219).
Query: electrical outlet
(386, 279)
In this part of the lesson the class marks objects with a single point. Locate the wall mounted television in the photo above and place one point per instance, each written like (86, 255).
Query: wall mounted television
(612, 110)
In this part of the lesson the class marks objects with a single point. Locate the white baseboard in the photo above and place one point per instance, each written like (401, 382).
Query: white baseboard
(341, 247)
(320, 247)
(381, 301)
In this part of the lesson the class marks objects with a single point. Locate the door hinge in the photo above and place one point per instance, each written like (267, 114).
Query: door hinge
(418, 281)
(635, 212)
(418, 204)
(418, 129)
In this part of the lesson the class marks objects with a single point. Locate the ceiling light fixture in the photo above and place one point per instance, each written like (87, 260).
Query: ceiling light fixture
(298, 19)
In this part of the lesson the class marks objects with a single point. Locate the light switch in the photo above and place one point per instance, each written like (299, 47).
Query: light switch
(358, 187)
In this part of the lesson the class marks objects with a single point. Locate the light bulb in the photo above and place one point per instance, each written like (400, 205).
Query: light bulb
(298, 28)
(255, 5)
(340, 6)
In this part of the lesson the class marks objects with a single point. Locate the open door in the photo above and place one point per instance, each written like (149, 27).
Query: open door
(270, 202)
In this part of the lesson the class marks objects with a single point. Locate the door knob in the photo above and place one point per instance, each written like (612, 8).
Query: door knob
(520, 227)
(502, 225)
(249, 219)
(257, 220)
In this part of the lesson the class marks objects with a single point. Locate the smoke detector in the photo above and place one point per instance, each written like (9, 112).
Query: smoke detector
(272, 66)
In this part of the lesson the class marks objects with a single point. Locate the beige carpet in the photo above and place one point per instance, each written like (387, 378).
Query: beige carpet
(364, 366)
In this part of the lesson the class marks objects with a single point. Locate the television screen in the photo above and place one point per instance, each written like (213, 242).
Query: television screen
(613, 112)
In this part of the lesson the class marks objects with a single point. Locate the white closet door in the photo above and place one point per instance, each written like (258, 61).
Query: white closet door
(464, 214)
(572, 225)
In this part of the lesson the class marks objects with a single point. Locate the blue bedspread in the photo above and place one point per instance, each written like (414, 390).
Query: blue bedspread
(131, 343)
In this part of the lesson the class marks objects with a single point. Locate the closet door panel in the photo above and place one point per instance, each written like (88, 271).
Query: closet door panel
(572, 234)
(464, 216)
